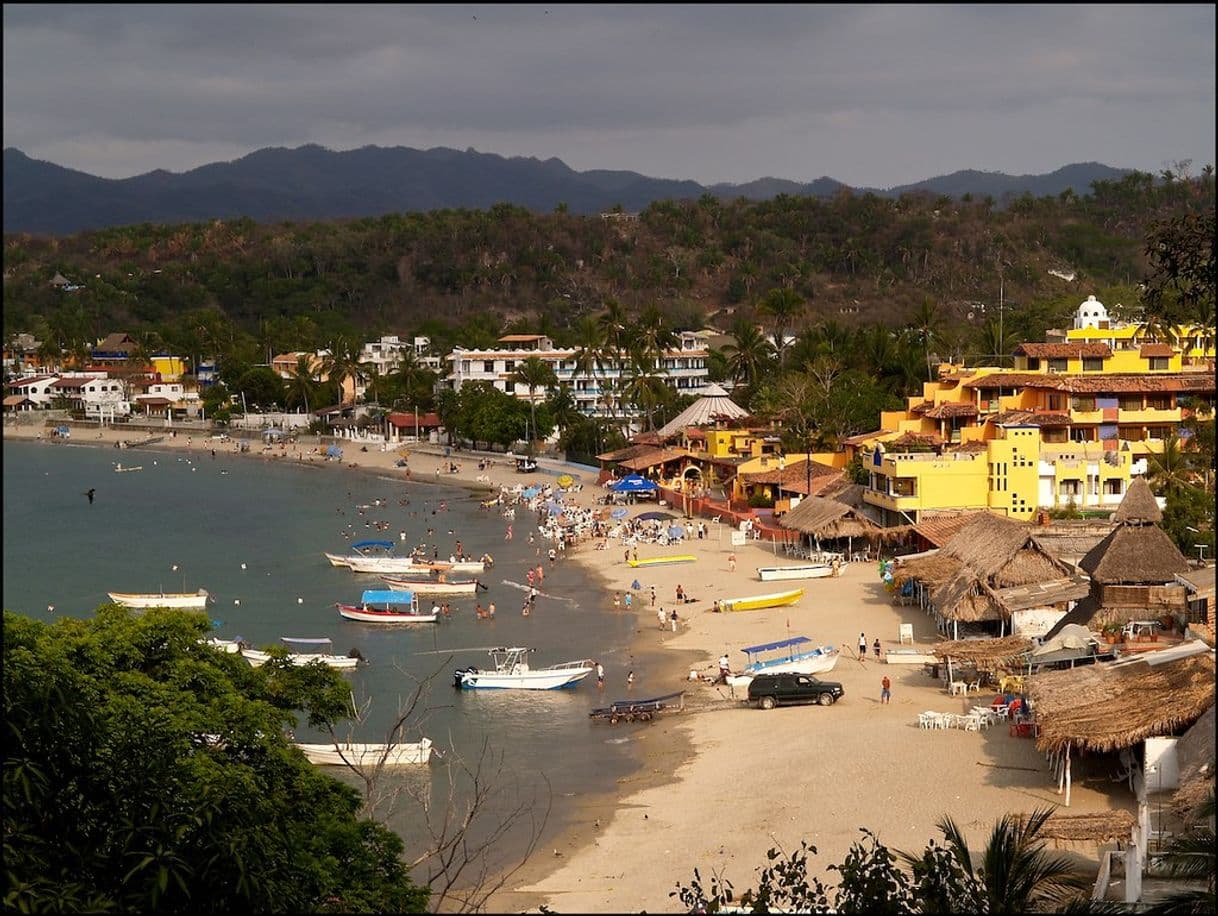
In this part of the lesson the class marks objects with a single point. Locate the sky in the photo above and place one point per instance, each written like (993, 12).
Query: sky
(871, 95)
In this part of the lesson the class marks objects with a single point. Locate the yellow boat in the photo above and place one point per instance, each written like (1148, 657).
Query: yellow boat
(663, 561)
(757, 602)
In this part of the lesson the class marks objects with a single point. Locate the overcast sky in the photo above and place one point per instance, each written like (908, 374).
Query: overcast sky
(869, 95)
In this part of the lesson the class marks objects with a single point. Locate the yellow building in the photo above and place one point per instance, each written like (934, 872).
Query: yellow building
(1014, 474)
(1092, 324)
(170, 368)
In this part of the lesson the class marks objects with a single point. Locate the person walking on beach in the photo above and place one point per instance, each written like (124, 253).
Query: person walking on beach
(680, 595)
(862, 647)
(541, 574)
(663, 617)
(508, 535)
(673, 618)
(617, 600)
(731, 562)
(630, 680)
(875, 647)
(885, 690)
(653, 596)
(626, 555)
(629, 601)
(725, 668)
(490, 610)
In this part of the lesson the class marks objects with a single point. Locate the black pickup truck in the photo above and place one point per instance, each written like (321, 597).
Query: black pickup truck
(770, 690)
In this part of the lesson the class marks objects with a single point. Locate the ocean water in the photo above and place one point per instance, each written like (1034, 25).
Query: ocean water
(253, 532)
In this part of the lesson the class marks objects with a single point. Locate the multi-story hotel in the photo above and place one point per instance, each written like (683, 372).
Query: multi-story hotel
(1068, 425)
(597, 393)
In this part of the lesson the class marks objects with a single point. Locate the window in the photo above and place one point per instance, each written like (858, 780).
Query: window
(903, 486)
(1070, 488)
(1082, 402)
(1160, 402)
(488, 365)
(510, 387)
(1159, 362)
(509, 365)
(1093, 364)
(1033, 362)
(1114, 487)
(1082, 434)
(1130, 402)
(1058, 365)
(1057, 402)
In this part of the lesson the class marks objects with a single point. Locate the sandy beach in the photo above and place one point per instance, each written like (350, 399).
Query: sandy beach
(721, 782)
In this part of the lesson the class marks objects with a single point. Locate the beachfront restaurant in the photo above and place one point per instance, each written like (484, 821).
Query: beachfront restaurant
(1124, 723)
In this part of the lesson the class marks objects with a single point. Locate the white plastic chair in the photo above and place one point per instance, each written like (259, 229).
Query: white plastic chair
(957, 687)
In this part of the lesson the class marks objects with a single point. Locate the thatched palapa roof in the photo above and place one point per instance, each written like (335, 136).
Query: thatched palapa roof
(1195, 753)
(986, 654)
(828, 518)
(1138, 505)
(1108, 707)
(1100, 827)
(1134, 555)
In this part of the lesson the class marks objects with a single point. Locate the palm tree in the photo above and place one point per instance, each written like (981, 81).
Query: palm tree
(1015, 875)
(613, 328)
(534, 373)
(645, 387)
(589, 355)
(1171, 471)
(750, 355)
(655, 333)
(784, 306)
(301, 384)
(417, 380)
(343, 363)
(925, 325)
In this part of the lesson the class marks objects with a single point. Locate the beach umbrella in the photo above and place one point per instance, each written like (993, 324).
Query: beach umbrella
(656, 516)
(530, 492)
(619, 513)
(334, 452)
(555, 508)
(565, 480)
(676, 531)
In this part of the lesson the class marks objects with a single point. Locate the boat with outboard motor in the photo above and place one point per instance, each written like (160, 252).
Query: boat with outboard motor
(362, 550)
(511, 670)
(367, 755)
(438, 586)
(190, 601)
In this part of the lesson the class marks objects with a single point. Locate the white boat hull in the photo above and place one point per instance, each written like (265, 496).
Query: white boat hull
(424, 587)
(258, 658)
(194, 602)
(339, 560)
(363, 616)
(813, 664)
(530, 680)
(785, 573)
(367, 754)
(396, 565)
(230, 646)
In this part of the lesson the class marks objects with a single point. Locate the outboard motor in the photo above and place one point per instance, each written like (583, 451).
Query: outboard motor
(458, 675)
(356, 653)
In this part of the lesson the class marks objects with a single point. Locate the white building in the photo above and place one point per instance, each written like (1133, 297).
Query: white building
(385, 354)
(99, 396)
(35, 387)
(596, 393)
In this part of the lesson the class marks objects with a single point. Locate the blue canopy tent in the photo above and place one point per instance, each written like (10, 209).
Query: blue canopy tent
(385, 597)
(676, 532)
(634, 484)
(530, 492)
(334, 451)
(555, 508)
(270, 434)
(364, 545)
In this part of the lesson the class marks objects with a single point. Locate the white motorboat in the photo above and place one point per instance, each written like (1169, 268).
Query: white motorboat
(798, 571)
(229, 646)
(191, 601)
(797, 655)
(393, 566)
(299, 654)
(362, 550)
(511, 670)
(431, 586)
(369, 755)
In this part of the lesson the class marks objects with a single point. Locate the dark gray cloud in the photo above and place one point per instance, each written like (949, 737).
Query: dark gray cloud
(875, 95)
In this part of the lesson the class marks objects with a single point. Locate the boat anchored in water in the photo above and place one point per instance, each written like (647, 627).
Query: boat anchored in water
(798, 655)
(362, 550)
(191, 601)
(512, 671)
(299, 654)
(369, 755)
(386, 607)
(439, 586)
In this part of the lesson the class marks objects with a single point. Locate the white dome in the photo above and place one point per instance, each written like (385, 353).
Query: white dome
(1090, 314)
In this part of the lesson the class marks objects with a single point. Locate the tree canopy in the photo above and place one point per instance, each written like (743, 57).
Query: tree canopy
(147, 771)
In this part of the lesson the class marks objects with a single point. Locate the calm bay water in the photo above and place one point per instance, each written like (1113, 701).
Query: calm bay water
(209, 516)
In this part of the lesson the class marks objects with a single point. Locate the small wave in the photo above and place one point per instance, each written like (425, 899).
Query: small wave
(616, 740)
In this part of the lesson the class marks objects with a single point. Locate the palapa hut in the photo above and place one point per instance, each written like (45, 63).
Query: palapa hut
(965, 581)
(1099, 709)
(984, 655)
(1133, 570)
(825, 519)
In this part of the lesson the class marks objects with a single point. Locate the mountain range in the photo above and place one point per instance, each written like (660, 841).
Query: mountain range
(314, 183)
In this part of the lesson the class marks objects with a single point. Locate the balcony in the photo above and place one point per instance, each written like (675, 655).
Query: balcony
(895, 503)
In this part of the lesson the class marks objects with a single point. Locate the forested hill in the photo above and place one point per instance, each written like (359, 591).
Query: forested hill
(853, 259)
(311, 182)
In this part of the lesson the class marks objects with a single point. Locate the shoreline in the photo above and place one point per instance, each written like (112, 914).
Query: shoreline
(662, 741)
(719, 784)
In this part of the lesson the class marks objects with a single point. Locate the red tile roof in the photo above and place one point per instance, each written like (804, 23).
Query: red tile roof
(1156, 349)
(1200, 382)
(1031, 418)
(948, 410)
(406, 420)
(1064, 350)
